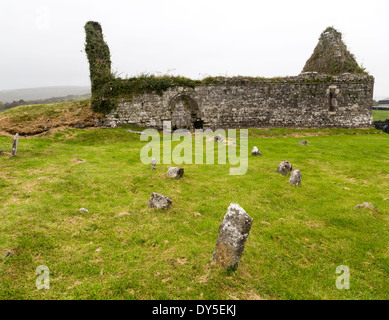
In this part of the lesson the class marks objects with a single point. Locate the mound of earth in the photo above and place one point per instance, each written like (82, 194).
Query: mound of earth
(35, 119)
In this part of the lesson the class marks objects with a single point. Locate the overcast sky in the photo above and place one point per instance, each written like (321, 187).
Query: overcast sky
(42, 42)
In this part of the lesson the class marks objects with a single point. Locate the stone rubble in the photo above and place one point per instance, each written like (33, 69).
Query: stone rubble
(366, 205)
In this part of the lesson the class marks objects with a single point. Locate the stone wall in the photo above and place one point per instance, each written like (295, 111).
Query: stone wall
(308, 100)
(380, 124)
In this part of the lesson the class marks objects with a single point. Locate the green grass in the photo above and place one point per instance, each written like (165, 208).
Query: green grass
(380, 115)
(298, 238)
(35, 111)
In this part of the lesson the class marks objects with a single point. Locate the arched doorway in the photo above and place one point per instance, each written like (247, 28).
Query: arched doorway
(185, 113)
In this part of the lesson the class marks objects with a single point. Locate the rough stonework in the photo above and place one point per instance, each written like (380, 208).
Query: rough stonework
(159, 201)
(303, 143)
(284, 167)
(175, 172)
(311, 99)
(233, 233)
(255, 152)
(295, 178)
(302, 101)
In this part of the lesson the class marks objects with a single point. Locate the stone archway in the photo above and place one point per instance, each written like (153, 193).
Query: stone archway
(185, 113)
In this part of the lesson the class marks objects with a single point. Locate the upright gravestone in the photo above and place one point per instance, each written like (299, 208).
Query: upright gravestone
(15, 145)
(233, 233)
(153, 163)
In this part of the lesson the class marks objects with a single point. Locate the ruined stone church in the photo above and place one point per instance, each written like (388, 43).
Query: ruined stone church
(332, 91)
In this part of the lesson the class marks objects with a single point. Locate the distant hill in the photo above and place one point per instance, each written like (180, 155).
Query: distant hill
(33, 94)
(68, 98)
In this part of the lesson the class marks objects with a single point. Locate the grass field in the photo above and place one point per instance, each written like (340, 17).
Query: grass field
(380, 115)
(299, 234)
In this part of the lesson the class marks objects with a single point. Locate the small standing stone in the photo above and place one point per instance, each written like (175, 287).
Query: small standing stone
(159, 201)
(284, 168)
(303, 143)
(84, 210)
(15, 145)
(233, 233)
(153, 163)
(8, 254)
(219, 138)
(175, 172)
(256, 152)
(295, 177)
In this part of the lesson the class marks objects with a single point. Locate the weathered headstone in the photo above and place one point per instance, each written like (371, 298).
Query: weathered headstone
(255, 152)
(15, 145)
(285, 167)
(153, 163)
(175, 172)
(303, 143)
(233, 233)
(159, 201)
(295, 177)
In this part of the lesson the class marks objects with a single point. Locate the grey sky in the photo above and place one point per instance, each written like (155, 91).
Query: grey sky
(41, 41)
